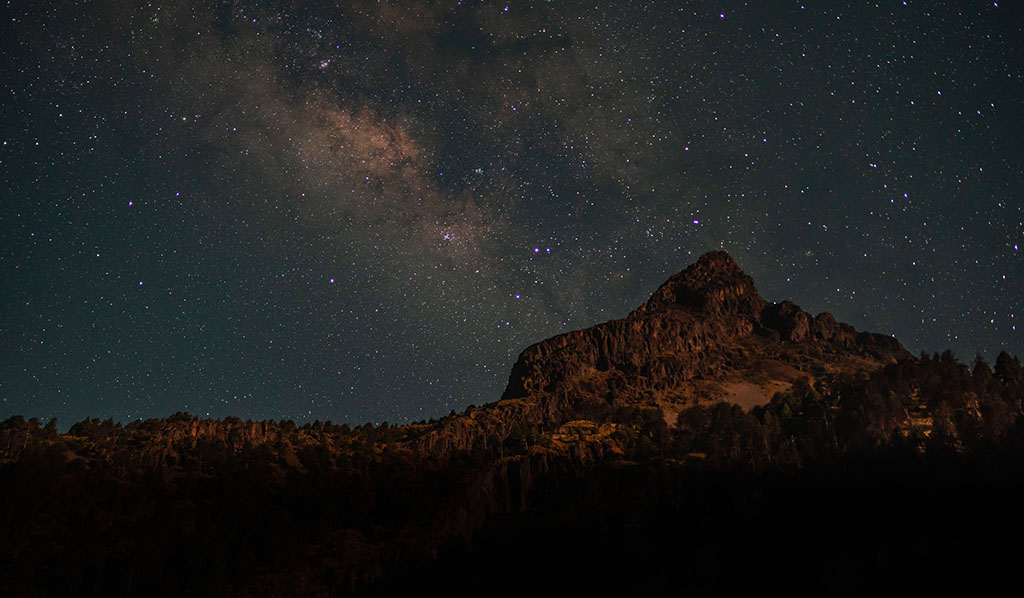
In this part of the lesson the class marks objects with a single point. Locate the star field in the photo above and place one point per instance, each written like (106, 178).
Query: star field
(365, 212)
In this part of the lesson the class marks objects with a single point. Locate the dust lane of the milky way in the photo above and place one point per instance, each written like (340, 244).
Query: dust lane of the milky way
(364, 212)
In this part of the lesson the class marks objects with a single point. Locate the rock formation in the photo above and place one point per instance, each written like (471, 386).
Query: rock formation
(705, 335)
(688, 329)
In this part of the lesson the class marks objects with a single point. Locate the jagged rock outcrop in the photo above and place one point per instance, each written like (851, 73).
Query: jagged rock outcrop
(788, 320)
(713, 287)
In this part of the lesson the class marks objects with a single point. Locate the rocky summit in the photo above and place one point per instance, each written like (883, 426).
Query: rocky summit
(705, 328)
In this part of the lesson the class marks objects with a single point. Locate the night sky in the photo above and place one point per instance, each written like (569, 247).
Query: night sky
(364, 213)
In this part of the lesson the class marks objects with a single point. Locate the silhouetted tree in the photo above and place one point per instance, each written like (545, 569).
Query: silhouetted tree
(982, 374)
(50, 429)
(1008, 369)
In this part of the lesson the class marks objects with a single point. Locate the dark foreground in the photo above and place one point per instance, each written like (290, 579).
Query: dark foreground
(908, 481)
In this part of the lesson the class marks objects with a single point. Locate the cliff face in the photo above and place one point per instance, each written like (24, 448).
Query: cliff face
(672, 338)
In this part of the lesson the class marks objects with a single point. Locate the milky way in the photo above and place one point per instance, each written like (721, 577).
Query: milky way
(364, 212)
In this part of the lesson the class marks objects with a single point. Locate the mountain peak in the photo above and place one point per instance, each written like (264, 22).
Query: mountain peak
(713, 285)
(705, 334)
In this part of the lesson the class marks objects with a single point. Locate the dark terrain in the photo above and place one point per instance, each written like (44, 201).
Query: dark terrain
(710, 443)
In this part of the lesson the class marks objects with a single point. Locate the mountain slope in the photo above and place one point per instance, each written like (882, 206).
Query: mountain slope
(705, 335)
